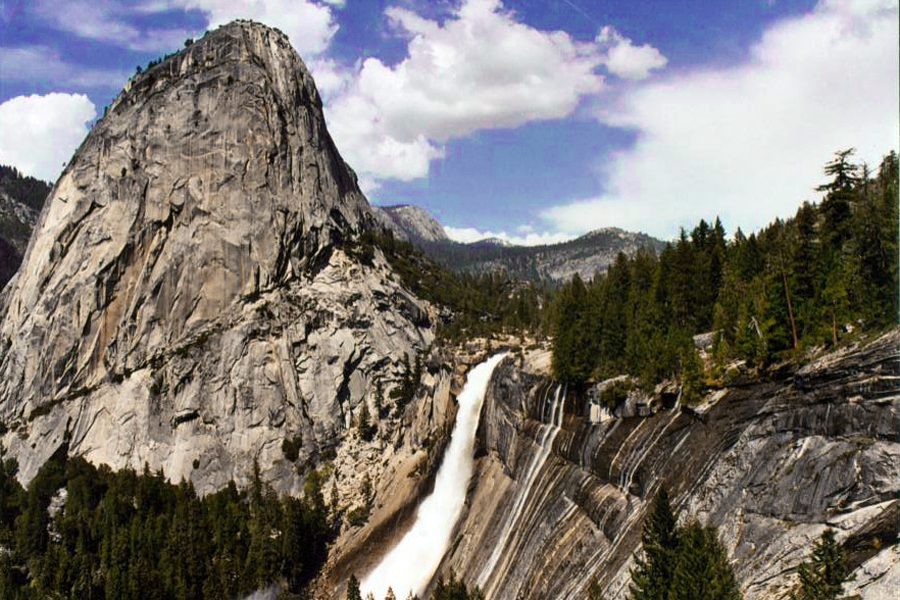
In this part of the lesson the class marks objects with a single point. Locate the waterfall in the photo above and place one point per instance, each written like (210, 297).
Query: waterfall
(545, 444)
(410, 565)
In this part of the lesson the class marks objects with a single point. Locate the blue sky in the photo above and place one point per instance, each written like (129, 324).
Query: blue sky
(530, 120)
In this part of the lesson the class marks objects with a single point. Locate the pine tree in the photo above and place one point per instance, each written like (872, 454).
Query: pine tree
(574, 342)
(652, 576)
(613, 315)
(701, 568)
(824, 575)
(353, 592)
(692, 379)
(874, 246)
(364, 424)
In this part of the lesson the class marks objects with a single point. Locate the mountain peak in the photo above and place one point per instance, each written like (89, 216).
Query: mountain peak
(170, 302)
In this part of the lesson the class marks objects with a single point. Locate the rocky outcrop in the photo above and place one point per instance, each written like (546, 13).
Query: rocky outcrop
(191, 296)
(556, 501)
(411, 223)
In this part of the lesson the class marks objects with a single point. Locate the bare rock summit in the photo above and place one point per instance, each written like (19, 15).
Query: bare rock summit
(190, 297)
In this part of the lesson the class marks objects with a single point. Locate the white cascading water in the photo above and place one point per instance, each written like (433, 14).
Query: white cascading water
(410, 565)
(545, 444)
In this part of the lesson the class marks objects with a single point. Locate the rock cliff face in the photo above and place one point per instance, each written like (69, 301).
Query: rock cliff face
(556, 500)
(190, 297)
(411, 223)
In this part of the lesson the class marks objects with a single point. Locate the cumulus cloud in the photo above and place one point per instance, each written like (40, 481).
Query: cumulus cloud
(331, 78)
(38, 134)
(309, 25)
(41, 64)
(623, 59)
(479, 68)
(525, 236)
(748, 142)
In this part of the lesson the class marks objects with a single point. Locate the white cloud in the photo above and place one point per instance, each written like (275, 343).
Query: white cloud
(478, 69)
(748, 143)
(527, 237)
(40, 64)
(309, 25)
(39, 133)
(107, 22)
(623, 59)
(331, 79)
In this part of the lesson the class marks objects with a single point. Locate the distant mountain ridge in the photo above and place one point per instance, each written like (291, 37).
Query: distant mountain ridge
(587, 255)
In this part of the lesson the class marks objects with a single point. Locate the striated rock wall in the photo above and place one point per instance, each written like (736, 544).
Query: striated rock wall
(770, 463)
(186, 299)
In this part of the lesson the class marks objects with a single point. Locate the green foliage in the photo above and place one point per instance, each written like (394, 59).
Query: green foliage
(410, 380)
(26, 189)
(615, 393)
(692, 380)
(594, 590)
(381, 410)
(823, 576)
(651, 577)
(680, 563)
(702, 571)
(359, 515)
(126, 535)
(796, 284)
(454, 589)
(479, 305)
(574, 345)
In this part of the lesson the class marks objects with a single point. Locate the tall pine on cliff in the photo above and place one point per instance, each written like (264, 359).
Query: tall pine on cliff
(823, 576)
(680, 563)
(807, 281)
(702, 571)
(652, 576)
